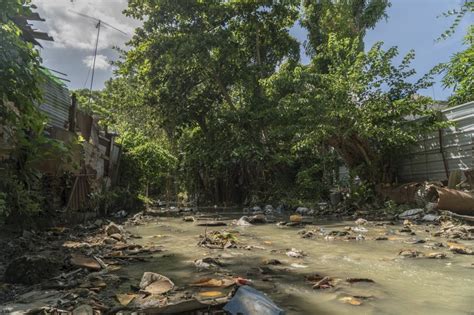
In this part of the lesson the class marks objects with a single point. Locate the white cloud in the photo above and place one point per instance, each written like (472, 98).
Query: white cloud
(101, 62)
(71, 30)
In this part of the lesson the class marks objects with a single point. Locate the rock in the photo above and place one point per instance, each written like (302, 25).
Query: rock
(110, 241)
(295, 253)
(359, 229)
(188, 219)
(302, 211)
(361, 221)
(117, 236)
(409, 253)
(256, 209)
(258, 219)
(431, 218)
(98, 222)
(120, 214)
(83, 310)
(355, 280)
(308, 234)
(405, 229)
(243, 221)
(462, 250)
(155, 283)
(436, 255)
(324, 283)
(268, 209)
(207, 263)
(272, 262)
(82, 261)
(113, 228)
(30, 269)
(412, 214)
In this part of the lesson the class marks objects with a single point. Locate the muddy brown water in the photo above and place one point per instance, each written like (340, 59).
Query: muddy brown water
(402, 285)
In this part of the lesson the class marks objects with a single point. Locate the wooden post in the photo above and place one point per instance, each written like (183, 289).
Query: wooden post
(72, 113)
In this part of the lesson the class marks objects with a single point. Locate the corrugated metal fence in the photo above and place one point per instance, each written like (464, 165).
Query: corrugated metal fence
(56, 103)
(437, 154)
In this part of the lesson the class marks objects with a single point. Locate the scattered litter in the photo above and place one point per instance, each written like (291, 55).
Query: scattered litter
(249, 301)
(295, 253)
(125, 299)
(361, 221)
(351, 300)
(210, 282)
(154, 283)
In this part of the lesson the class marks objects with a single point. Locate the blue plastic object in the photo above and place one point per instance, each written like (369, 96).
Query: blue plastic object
(248, 301)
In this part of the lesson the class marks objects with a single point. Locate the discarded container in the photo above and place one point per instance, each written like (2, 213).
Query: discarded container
(296, 218)
(249, 301)
(454, 200)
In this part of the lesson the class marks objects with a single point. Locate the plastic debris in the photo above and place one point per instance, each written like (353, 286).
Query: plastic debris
(249, 301)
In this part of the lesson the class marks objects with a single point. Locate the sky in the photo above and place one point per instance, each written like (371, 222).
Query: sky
(411, 24)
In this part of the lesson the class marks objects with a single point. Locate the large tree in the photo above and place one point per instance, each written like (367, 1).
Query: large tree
(203, 62)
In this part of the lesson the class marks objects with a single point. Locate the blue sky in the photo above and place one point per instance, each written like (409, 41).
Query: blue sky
(412, 24)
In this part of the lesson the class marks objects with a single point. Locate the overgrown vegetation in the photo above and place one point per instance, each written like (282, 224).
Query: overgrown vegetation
(21, 122)
(219, 87)
(212, 101)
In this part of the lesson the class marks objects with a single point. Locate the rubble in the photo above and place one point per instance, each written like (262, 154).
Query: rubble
(411, 214)
(113, 228)
(82, 261)
(243, 221)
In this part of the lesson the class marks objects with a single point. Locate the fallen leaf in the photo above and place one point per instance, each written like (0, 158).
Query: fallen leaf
(159, 287)
(211, 294)
(125, 299)
(350, 300)
(85, 262)
(453, 245)
(208, 282)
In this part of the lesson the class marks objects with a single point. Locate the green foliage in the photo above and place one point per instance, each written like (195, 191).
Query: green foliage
(212, 93)
(20, 92)
(146, 159)
(459, 72)
(360, 107)
(466, 8)
(19, 70)
(113, 200)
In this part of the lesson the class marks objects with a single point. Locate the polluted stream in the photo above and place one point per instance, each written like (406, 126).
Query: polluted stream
(401, 285)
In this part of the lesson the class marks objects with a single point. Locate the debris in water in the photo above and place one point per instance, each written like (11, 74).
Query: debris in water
(355, 280)
(210, 282)
(249, 301)
(125, 299)
(155, 283)
(295, 253)
(351, 300)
